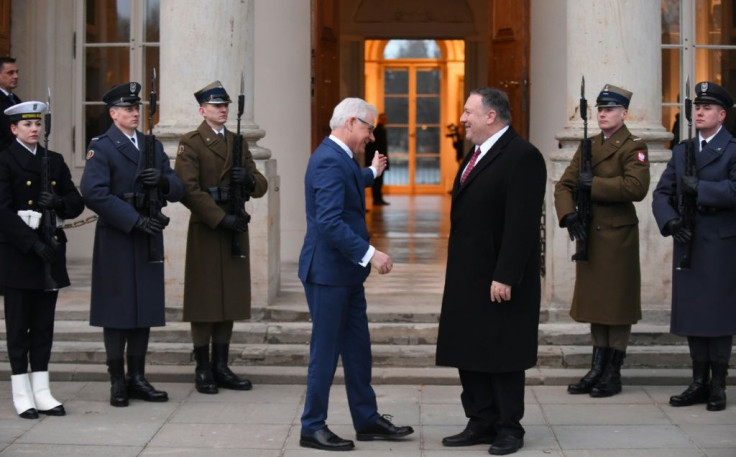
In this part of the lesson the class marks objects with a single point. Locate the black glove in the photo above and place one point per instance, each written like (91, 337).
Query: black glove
(679, 232)
(234, 223)
(689, 185)
(574, 227)
(147, 225)
(46, 252)
(150, 177)
(585, 180)
(240, 175)
(49, 200)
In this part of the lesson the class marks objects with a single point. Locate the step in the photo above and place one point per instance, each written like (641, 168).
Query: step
(381, 375)
(381, 333)
(384, 355)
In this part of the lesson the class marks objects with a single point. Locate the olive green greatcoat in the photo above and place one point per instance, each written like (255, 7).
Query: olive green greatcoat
(608, 285)
(216, 284)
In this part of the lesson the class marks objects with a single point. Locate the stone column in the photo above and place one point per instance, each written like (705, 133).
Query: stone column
(200, 44)
(612, 41)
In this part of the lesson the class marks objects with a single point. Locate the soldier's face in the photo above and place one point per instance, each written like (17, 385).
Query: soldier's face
(709, 117)
(215, 114)
(611, 118)
(28, 131)
(9, 76)
(126, 118)
(476, 119)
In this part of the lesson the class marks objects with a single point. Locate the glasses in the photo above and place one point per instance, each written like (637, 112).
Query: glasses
(370, 126)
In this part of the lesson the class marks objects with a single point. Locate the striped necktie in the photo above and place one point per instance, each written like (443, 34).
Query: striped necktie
(470, 166)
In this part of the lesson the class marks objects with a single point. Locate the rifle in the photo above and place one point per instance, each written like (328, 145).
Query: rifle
(238, 195)
(687, 204)
(48, 215)
(153, 198)
(582, 197)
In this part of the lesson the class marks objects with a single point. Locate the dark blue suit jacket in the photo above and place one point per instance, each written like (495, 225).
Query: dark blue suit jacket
(337, 236)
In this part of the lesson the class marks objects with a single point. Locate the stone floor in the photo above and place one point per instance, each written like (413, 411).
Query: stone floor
(265, 423)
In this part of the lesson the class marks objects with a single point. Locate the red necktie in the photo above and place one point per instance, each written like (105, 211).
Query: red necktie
(470, 166)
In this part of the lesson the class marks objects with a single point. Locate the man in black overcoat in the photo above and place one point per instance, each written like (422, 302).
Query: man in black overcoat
(490, 307)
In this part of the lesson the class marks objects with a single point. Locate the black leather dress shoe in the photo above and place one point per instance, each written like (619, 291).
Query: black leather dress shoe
(506, 444)
(55, 411)
(383, 429)
(468, 437)
(30, 413)
(325, 440)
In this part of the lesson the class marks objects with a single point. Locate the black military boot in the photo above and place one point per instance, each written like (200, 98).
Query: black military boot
(118, 392)
(698, 390)
(203, 378)
(717, 398)
(224, 377)
(597, 364)
(610, 382)
(138, 387)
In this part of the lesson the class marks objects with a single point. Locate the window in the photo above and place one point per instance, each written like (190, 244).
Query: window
(118, 41)
(699, 41)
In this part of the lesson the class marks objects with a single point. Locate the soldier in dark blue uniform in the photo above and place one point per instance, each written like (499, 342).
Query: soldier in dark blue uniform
(32, 270)
(127, 290)
(702, 296)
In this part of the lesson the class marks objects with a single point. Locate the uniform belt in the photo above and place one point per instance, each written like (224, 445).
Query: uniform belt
(220, 194)
(136, 200)
(711, 209)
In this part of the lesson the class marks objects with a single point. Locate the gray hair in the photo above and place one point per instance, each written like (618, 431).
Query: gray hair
(351, 107)
(497, 100)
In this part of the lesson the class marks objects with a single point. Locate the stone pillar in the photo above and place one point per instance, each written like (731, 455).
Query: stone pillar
(200, 44)
(612, 41)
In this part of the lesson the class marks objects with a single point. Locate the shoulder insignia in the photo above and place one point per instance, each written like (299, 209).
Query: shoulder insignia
(636, 138)
(91, 152)
(181, 150)
(641, 156)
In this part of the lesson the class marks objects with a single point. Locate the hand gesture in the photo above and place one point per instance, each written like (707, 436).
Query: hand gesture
(381, 262)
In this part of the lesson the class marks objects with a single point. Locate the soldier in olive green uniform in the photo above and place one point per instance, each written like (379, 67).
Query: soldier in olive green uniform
(607, 286)
(216, 284)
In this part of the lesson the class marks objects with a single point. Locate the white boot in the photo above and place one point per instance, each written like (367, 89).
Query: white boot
(23, 396)
(45, 402)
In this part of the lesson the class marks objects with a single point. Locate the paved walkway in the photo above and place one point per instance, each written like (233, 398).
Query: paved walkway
(265, 423)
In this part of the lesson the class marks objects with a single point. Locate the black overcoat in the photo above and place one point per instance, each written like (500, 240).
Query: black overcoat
(703, 296)
(127, 290)
(494, 236)
(20, 184)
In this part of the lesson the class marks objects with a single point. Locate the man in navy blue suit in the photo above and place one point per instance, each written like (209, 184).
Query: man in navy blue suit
(335, 261)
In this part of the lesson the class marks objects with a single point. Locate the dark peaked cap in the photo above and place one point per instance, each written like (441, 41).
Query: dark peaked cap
(709, 93)
(123, 95)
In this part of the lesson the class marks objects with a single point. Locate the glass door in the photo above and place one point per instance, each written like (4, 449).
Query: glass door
(119, 43)
(411, 100)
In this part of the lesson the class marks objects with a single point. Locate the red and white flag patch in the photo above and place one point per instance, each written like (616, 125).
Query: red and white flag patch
(641, 156)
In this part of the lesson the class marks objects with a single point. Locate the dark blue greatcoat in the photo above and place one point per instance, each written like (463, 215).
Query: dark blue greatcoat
(703, 298)
(20, 184)
(127, 291)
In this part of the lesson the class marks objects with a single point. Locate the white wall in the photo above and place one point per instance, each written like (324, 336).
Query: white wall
(282, 105)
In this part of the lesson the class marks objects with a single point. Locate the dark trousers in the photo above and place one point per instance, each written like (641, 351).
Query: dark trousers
(339, 330)
(116, 340)
(493, 402)
(29, 324)
(377, 189)
(710, 349)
